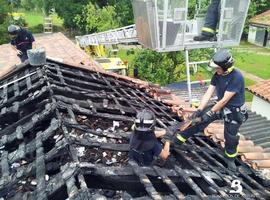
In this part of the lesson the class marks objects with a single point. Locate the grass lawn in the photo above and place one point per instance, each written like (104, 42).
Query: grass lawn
(253, 63)
(253, 59)
(34, 19)
(248, 95)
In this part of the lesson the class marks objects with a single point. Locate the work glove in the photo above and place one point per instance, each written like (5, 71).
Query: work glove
(196, 114)
(207, 116)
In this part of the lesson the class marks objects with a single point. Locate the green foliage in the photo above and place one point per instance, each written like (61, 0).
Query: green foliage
(4, 18)
(156, 67)
(165, 68)
(68, 10)
(256, 7)
(94, 19)
(124, 11)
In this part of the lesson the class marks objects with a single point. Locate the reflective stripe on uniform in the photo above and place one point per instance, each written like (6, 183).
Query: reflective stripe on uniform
(209, 30)
(145, 121)
(182, 139)
(232, 155)
(229, 70)
(133, 127)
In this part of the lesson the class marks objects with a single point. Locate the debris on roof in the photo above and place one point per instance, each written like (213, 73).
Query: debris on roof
(64, 133)
(262, 19)
(261, 89)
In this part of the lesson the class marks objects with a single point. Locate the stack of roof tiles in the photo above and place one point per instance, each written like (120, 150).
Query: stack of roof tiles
(64, 133)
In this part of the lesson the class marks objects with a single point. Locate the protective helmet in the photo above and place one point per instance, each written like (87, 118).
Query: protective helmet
(13, 29)
(145, 120)
(222, 58)
(144, 137)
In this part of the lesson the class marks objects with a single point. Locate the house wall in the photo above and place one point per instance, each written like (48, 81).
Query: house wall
(260, 35)
(252, 34)
(261, 107)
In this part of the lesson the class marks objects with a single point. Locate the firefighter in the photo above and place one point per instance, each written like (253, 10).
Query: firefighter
(21, 41)
(144, 145)
(229, 85)
(211, 21)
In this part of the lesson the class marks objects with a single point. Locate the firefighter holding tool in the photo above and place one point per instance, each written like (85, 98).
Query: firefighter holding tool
(228, 83)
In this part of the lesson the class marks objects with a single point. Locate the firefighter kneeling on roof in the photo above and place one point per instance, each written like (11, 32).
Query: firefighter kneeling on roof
(144, 145)
(229, 85)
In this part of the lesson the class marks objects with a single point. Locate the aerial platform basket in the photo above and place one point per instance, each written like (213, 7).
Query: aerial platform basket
(164, 25)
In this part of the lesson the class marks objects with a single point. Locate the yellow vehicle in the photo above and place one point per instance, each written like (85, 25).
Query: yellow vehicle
(115, 65)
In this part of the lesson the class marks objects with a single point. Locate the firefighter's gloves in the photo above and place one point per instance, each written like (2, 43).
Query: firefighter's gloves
(207, 116)
(196, 114)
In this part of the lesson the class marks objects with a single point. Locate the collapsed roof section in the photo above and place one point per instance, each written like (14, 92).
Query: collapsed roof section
(64, 133)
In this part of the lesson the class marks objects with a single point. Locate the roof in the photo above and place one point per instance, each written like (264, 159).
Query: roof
(261, 19)
(64, 133)
(57, 47)
(254, 146)
(261, 89)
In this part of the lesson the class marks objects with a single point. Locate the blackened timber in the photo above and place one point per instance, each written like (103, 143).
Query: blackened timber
(243, 183)
(98, 106)
(168, 181)
(204, 177)
(30, 120)
(191, 183)
(40, 168)
(68, 175)
(78, 83)
(95, 144)
(98, 169)
(80, 76)
(14, 110)
(16, 87)
(79, 110)
(115, 100)
(152, 101)
(23, 94)
(145, 181)
(14, 156)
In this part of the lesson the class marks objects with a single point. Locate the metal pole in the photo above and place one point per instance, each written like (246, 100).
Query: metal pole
(164, 32)
(188, 76)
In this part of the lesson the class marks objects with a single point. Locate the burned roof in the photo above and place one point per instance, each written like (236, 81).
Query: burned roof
(64, 133)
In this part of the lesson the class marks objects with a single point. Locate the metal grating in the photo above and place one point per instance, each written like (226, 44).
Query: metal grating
(64, 134)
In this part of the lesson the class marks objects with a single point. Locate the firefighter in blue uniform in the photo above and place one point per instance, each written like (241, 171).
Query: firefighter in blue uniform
(229, 85)
(144, 145)
(211, 21)
(21, 41)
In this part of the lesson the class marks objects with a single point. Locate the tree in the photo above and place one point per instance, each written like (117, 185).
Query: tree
(157, 67)
(4, 17)
(94, 19)
(68, 10)
(256, 7)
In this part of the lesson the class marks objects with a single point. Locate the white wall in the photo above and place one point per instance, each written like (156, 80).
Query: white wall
(261, 107)
(252, 34)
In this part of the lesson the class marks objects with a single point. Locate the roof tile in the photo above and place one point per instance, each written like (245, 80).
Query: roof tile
(262, 89)
(261, 19)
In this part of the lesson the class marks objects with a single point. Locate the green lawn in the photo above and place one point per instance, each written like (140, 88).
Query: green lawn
(253, 63)
(34, 19)
(248, 95)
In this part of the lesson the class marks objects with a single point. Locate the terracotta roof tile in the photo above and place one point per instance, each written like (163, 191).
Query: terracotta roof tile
(262, 89)
(261, 19)
(57, 46)
(250, 153)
